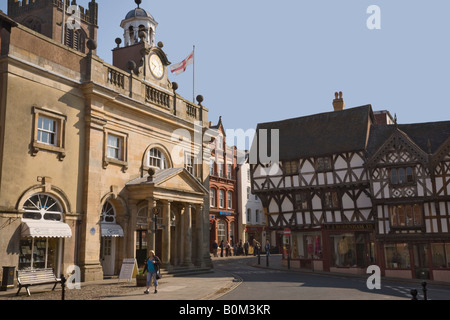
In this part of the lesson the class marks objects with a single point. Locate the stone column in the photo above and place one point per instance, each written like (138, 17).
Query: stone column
(166, 234)
(130, 235)
(151, 236)
(188, 235)
(181, 236)
(200, 230)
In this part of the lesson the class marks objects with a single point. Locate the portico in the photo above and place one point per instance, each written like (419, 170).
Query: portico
(176, 198)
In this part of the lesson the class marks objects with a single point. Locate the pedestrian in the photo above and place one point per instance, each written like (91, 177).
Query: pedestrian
(152, 267)
(227, 249)
(267, 247)
(246, 245)
(215, 246)
(221, 246)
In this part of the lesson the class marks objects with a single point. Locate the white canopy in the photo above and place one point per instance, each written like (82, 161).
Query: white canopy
(111, 230)
(45, 229)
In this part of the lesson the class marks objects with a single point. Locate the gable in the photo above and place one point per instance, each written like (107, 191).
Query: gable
(398, 148)
(183, 182)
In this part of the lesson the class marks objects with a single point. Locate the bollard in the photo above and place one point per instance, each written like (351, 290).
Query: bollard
(259, 258)
(267, 259)
(424, 289)
(63, 287)
(414, 294)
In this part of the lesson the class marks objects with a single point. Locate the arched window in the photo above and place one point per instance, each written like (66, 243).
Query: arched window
(141, 221)
(156, 159)
(221, 198)
(108, 213)
(42, 207)
(212, 197)
(75, 39)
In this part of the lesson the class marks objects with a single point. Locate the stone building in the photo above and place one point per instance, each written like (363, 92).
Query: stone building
(91, 152)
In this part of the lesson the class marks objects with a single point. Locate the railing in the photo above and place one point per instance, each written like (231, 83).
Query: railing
(191, 110)
(116, 78)
(156, 96)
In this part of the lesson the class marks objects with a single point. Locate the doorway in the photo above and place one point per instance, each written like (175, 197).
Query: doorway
(108, 250)
(420, 253)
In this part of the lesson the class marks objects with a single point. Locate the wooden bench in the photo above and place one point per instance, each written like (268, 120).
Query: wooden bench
(28, 278)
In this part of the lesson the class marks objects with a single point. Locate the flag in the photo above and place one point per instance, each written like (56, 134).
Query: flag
(181, 67)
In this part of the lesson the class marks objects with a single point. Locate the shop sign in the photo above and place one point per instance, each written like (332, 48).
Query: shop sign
(353, 226)
(223, 213)
(287, 232)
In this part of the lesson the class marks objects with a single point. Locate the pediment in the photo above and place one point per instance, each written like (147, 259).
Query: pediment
(181, 181)
(398, 149)
(170, 181)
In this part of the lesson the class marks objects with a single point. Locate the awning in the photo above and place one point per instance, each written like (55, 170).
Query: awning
(45, 229)
(111, 230)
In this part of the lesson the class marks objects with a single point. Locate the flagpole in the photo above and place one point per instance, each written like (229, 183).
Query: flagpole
(193, 76)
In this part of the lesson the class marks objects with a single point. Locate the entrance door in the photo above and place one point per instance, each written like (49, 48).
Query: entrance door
(421, 261)
(108, 255)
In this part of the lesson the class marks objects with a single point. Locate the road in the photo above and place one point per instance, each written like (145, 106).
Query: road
(268, 284)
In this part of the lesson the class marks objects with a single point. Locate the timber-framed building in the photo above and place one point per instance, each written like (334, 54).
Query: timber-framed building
(353, 188)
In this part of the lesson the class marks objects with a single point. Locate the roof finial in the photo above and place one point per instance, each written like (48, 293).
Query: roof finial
(138, 2)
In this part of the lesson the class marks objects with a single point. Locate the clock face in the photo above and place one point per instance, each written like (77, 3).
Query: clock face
(156, 66)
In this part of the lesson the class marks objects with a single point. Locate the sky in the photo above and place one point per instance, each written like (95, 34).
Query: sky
(260, 61)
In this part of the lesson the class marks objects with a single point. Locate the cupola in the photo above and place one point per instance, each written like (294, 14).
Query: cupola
(138, 20)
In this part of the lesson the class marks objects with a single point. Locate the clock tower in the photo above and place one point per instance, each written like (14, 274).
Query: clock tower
(139, 53)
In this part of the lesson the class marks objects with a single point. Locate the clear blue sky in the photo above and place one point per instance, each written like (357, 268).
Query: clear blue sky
(260, 60)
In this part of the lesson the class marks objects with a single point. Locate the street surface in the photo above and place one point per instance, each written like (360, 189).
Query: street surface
(260, 283)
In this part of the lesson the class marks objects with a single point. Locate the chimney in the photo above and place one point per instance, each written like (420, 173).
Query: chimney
(338, 102)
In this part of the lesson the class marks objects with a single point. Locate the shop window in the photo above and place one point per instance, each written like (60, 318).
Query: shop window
(343, 250)
(440, 255)
(290, 167)
(222, 231)
(406, 216)
(402, 176)
(397, 256)
(38, 253)
(312, 247)
(323, 164)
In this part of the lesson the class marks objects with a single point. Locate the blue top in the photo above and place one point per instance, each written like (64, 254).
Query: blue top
(151, 266)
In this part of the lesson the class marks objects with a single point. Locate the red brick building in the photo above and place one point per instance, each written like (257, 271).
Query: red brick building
(223, 189)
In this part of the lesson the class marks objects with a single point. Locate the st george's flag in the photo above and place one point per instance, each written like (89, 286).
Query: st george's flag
(179, 68)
